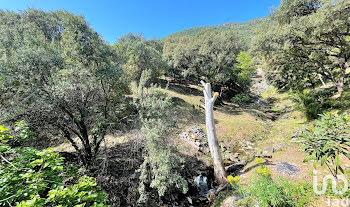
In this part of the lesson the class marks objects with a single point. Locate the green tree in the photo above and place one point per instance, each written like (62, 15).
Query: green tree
(307, 43)
(209, 56)
(136, 54)
(56, 74)
(161, 167)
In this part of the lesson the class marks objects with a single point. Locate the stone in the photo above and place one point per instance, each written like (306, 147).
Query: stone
(230, 201)
(287, 168)
(230, 156)
(189, 199)
(278, 147)
(211, 196)
(268, 151)
(201, 183)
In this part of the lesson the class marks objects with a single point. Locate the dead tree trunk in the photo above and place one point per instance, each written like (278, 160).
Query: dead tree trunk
(219, 171)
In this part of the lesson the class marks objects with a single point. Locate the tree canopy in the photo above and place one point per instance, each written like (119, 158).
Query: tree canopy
(59, 72)
(210, 56)
(307, 43)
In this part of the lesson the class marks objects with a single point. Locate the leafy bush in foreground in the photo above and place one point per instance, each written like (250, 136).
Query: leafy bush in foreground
(267, 192)
(29, 177)
(327, 141)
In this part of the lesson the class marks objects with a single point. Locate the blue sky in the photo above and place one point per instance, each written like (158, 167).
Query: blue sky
(156, 18)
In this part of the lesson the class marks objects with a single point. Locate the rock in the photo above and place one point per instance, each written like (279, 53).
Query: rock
(268, 151)
(195, 135)
(230, 156)
(211, 196)
(287, 168)
(201, 183)
(230, 201)
(295, 140)
(189, 199)
(263, 156)
(278, 147)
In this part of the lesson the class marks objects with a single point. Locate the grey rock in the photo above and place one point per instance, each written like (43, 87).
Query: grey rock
(278, 147)
(268, 151)
(287, 168)
(230, 201)
(201, 183)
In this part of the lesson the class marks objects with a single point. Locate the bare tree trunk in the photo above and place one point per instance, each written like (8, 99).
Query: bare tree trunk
(219, 171)
(321, 79)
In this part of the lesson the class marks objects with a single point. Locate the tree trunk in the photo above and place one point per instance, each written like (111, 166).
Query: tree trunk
(341, 81)
(219, 171)
(321, 79)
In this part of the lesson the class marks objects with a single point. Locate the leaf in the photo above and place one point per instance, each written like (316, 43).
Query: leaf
(337, 163)
(308, 158)
(323, 159)
(315, 163)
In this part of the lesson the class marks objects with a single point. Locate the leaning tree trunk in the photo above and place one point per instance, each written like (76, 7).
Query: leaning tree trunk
(219, 171)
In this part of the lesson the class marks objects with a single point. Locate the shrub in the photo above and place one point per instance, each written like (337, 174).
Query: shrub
(279, 193)
(160, 169)
(327, 140)
(35, 178)
(241, 98)
(309, 103)
(267, 192)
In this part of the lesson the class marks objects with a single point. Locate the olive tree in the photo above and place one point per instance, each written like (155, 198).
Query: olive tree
(307, 43)
(56, 74)
(210, 56)
(136, 54)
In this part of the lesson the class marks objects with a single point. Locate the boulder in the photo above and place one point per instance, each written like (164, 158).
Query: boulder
(278, 147)
(230, 201)
(287, 168)
(268, 151)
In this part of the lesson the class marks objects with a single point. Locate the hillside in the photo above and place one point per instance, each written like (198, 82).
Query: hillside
(245, 30)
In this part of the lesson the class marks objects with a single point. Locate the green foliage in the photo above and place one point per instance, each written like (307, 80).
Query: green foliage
(56, 70)
(212, 56)
(267, 192)
(245, 69)
(241, 98)
(327, 140)
(136, 54)
(309, 103)
(306, 43)
(160, 169)
(245, 31)
(279, 193)
(36, 178)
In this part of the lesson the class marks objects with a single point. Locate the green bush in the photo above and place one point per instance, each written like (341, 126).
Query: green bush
(29, 177)
(268, 192)
(241, 98)
(161, 169)
(327, 140)
(309, 103)
(279, 192)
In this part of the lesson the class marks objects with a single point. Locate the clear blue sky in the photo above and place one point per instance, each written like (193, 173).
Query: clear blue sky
(156, 18)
